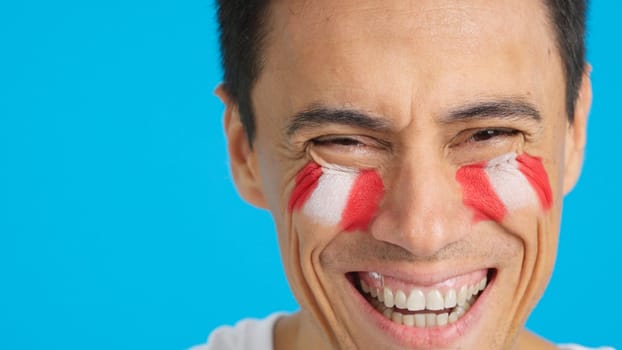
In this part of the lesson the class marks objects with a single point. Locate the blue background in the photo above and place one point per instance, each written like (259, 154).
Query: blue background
(119, 225)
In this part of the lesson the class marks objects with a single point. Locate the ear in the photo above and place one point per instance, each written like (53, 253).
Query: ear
(576, 135)
(242, 157)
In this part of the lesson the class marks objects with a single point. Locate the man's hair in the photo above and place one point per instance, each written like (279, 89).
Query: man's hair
(244, 28)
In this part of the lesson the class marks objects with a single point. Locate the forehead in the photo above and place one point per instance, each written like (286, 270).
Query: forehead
(397, 56)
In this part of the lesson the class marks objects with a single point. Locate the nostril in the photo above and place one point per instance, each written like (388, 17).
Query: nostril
(423, 233)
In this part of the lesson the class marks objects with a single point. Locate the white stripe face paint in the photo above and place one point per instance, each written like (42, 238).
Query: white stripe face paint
(510, 183)
(327, 203)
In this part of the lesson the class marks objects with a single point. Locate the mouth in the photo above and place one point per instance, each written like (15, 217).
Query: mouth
(432, 306)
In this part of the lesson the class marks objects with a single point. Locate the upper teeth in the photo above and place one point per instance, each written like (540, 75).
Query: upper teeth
(418, 299)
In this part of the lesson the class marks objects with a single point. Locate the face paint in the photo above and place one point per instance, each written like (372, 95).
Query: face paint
(341, 197)
(505, 183)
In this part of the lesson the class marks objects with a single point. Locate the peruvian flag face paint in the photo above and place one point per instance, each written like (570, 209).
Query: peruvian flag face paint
(343, 197)
(505, 183)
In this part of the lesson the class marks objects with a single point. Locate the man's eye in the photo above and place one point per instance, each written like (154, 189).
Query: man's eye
(348, 151)
(487, 134)
(338, 141)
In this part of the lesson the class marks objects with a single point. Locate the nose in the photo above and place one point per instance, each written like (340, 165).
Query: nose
(422, 211)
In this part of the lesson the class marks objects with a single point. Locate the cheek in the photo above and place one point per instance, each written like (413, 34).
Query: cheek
(347, 199)
(495, 188)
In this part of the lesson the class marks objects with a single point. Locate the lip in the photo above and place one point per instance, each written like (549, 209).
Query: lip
(414, 337)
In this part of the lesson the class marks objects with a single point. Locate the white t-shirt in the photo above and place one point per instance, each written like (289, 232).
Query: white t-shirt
(254, 334)
(247, 334)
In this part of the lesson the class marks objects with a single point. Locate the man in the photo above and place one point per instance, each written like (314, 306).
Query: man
(414, 156)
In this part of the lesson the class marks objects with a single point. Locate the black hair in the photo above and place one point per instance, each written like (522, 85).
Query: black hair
(568, 18)
(244, 27)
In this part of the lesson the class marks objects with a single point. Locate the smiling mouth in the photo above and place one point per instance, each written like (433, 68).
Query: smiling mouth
(422, 307)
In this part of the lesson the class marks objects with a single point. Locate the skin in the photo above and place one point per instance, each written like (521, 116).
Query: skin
(409, 64)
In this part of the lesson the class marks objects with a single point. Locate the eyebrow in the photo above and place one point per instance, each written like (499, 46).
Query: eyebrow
(513, 108)
(317, 116)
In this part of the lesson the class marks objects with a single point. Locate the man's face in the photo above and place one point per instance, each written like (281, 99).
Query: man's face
(414, 156)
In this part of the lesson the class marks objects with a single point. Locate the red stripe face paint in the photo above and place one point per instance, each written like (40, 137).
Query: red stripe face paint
(306, 182)
(343, 197)
(492, 189)
(534, 171)
(363, 202)
(479, 194)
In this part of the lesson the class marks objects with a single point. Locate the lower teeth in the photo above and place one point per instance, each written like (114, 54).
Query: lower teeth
(422, 319)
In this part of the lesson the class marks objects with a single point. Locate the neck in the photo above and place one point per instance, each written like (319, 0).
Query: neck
(528, 340)
(297, 331)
